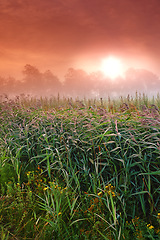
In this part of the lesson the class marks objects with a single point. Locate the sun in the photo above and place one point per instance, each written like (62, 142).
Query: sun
(112, 67)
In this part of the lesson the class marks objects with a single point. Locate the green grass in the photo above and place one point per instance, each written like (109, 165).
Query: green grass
(80, 169)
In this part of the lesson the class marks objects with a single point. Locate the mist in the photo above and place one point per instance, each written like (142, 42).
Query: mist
(79, 83)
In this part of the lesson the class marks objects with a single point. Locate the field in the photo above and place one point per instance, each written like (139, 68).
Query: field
(80, 169)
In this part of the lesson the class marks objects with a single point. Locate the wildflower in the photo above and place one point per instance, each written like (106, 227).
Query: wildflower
(45, 188)
(28, 173)
(158, 216)
(110, 190)
(150, 226)
(134, 220)
(91, 207)
(100, 194)
(139, 234)
(96, 200)
(113, 194)
(59, 213)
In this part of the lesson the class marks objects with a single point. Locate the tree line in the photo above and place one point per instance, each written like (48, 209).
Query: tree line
(77, 82)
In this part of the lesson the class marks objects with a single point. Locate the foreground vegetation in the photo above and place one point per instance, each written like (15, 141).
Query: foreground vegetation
(72, 169)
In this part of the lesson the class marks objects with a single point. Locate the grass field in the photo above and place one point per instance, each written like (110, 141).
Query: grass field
(80, 169)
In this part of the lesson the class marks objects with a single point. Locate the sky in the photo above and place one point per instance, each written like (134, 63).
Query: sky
(59, 34)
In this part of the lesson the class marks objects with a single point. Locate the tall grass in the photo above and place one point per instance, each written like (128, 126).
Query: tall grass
(80, 169)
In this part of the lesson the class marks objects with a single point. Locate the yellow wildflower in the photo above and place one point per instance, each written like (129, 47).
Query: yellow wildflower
(108, 186)
(28, 173)
(100, 194)
(59, 213)
(113, 194)
(150, 226)
(45, 188)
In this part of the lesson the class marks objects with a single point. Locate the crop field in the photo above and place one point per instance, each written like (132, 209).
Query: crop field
(80, 169)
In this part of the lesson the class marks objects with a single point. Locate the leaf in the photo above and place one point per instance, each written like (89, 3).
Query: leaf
(150, 173)
(142, 192)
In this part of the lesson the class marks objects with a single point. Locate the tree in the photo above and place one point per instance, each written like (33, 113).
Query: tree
(2, 84)
(52, 84)
(33, 79)
(77, 83)
(100, 85)
(141, 80)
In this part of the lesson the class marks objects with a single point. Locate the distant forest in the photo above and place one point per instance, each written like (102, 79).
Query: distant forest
(79, 83)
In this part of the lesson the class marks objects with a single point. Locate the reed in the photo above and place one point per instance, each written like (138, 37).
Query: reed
(80, 169)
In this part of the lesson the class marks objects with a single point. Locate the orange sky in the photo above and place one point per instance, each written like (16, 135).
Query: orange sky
(58, 34)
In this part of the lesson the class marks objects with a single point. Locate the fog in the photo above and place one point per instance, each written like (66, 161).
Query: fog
(79, 83)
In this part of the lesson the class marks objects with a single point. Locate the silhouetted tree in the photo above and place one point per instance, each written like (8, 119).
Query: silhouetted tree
(2, 84)
(51, 83)
(11, 85)
(141, 80)
(100, 84)
(77, 83)
(33, 79)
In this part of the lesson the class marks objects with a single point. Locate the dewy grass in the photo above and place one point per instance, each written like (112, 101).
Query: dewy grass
(80, 169)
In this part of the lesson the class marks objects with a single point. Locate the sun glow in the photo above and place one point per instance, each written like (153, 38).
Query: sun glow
(112, 67)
